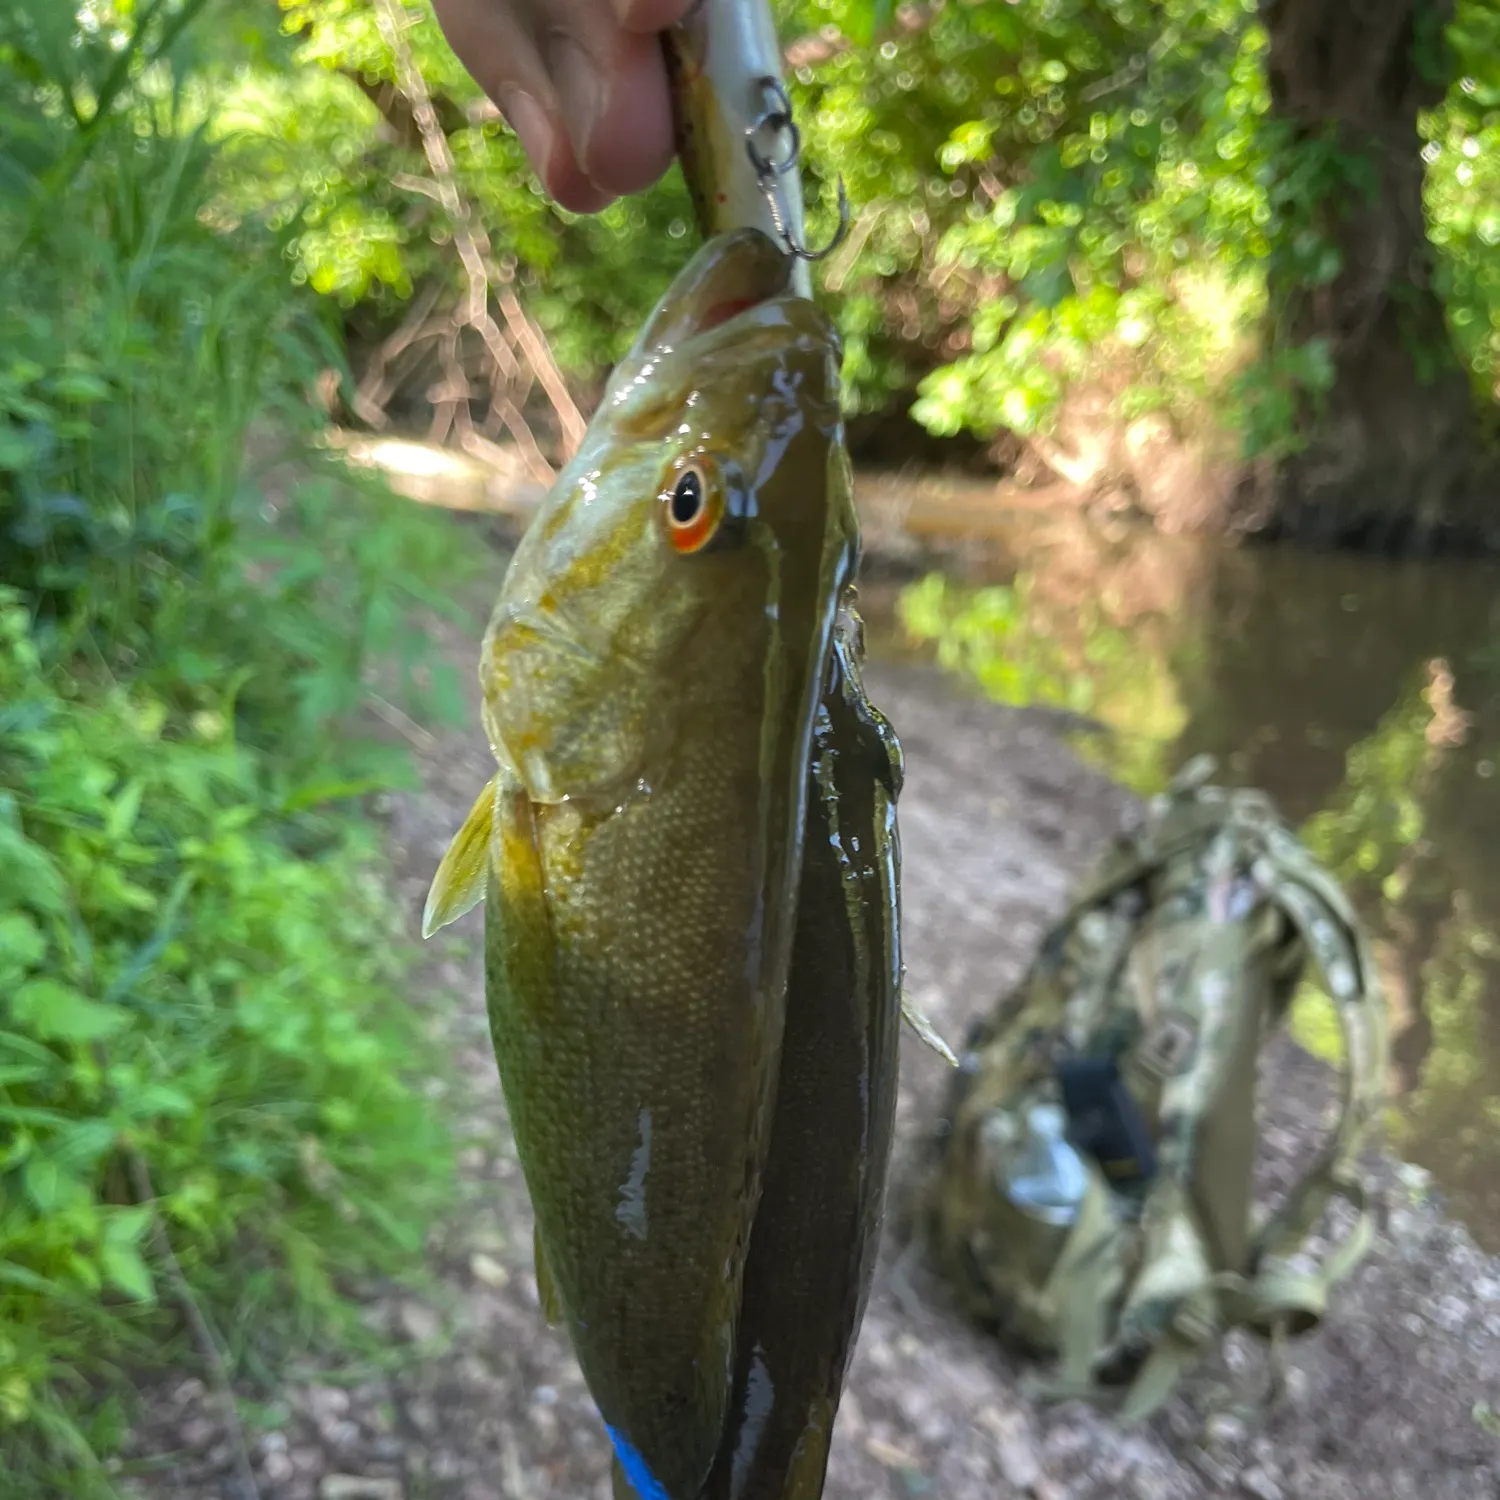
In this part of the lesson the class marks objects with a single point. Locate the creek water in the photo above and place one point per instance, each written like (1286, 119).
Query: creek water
(1362, 693)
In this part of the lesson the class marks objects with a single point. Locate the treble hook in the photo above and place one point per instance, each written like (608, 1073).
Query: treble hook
(775, 118)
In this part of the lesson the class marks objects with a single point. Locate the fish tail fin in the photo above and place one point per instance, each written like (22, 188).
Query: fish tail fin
(461, 878)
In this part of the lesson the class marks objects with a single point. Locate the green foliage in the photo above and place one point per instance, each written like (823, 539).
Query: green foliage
(1064, 183)
(1365, 838)
(1396, 836)
(1379, 815)
(989, 634)
(177, 982)
(1068, 192)
(142, 338)
(134, 351)
(1046, 192)
(200, 972)
(1462, 153)
(324, 609)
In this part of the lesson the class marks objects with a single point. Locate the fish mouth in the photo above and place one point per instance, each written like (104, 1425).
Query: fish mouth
(728, 280)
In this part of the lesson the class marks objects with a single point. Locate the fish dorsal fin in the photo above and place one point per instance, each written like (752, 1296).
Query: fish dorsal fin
(546, 1288)
(461, 878)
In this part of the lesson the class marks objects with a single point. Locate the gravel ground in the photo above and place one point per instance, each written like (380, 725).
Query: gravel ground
(1395, 1396)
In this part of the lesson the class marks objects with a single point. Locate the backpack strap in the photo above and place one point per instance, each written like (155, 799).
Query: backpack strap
(1082, 1291)
(1276, 1298)
(1177, 821)
(1335, 941)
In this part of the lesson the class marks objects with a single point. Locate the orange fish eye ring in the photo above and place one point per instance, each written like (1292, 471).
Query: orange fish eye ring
(694, 506)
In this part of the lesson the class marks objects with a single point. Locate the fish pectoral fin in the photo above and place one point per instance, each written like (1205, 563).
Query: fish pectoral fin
(461, 878)
(546, 1288)
(916, 1018)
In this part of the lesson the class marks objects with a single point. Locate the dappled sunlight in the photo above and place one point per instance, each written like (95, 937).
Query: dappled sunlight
(497, 482)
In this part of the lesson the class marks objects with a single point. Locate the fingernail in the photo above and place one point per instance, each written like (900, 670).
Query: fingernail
(579, 92)
(532, 127)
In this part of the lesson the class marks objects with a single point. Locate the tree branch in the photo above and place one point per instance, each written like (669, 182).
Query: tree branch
(396, 110)
(472, 243)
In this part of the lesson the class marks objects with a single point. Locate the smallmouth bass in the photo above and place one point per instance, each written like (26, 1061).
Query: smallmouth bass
(650, 676)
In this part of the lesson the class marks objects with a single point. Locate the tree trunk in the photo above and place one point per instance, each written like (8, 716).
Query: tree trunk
(1392, 458)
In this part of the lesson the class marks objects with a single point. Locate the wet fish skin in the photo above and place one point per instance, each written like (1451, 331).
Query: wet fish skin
(816, 1231)
(651, 714)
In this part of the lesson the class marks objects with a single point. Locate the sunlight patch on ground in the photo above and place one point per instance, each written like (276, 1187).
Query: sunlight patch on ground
(442, 476)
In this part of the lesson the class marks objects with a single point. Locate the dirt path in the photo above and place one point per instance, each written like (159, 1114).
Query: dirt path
(1393, 1398)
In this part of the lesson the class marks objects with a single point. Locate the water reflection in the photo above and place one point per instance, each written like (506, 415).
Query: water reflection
(1363, 694)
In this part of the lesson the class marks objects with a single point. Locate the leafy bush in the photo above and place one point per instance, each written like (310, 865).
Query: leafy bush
(203, 1034)
(139, 342)
(145, 338)
(1462, 153)
(179, 987)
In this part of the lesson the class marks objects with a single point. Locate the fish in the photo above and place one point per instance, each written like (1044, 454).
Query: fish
(817, 1228)
(650, 677)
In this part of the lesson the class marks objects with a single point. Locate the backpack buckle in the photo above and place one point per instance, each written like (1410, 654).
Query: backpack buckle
(1166, 1050)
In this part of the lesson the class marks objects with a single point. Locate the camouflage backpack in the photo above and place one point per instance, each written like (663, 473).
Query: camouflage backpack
(1095, 1199)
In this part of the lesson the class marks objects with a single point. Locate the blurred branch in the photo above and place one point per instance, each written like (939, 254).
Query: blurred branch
(1135, 68)
(419, 738)
(521, 339)
(397, 112)
(848, 253)
(375, 384)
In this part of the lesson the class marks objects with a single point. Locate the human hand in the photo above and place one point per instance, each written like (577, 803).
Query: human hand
(582, 83)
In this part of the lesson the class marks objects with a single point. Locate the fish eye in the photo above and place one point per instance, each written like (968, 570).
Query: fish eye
(687, 499)
(694, 505)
